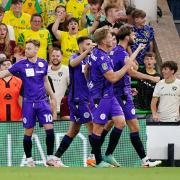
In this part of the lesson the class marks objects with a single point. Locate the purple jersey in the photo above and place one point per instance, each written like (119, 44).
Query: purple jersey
(100, 63)
(143, 35)
(118, 55)
(32, 75)
(78, 84)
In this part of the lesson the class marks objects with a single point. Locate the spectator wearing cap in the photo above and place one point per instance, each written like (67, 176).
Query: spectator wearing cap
(17, 18)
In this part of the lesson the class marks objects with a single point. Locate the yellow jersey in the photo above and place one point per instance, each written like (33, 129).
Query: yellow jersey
(69, 44)
(18, 23)
(48, 10)
(29, 6)
(42, 35)
(76, 8)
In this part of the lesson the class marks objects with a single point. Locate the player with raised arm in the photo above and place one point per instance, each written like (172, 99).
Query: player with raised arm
(104, 104)
(33, 72)
(78, 94)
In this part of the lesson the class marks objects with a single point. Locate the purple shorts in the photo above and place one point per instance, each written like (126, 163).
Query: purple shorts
(105, 109)
(36, 111)
(127, 107)
(80, 112)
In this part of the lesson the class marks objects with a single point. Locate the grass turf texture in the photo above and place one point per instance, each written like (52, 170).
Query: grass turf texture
(159, 173)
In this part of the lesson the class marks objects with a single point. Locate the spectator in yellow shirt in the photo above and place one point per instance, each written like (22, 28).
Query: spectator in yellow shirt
(68, 40)
(37, 33)
(29, 6)
(16, 18)
(75, 8)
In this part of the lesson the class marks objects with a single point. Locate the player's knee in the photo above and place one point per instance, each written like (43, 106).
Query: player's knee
(120, 124)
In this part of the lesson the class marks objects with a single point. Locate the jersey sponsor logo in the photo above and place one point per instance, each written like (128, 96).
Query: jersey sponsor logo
(86, 115)
(102, 116)
(39, 72)
(104, 66)
(41, 64)
(29, 72)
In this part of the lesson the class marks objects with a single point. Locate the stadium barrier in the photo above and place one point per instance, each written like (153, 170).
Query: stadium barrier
(12, 154)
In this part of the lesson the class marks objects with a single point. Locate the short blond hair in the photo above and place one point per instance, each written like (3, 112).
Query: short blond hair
(101, 34)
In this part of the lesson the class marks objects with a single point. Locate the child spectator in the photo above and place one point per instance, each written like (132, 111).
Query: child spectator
(146, 87)
(165, 103)
(144, 34)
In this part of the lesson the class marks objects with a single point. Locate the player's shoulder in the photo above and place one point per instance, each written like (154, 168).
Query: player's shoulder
(42, 62)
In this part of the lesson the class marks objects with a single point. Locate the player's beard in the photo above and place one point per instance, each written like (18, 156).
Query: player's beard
(131, 42)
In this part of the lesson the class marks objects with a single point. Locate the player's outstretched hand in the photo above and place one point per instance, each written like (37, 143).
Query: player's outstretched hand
(141, 46)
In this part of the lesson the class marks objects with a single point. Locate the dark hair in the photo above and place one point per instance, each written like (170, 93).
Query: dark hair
(82, 39)
(101, 34)
(171, 65)
(16, 1)
(149, 54)
(36, 15)
(95, 2)
(57, 49)
(72, 20)
(138, 13)
(60, 6)
(129, 10)
(124, 31)
(33, 41)
(1, 62)
(2, 10)
(108, 7)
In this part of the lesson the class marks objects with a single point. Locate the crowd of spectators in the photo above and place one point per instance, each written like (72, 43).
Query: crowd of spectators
(57, 25)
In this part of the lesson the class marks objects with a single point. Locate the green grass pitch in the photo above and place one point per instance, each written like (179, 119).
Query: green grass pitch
(159, 173)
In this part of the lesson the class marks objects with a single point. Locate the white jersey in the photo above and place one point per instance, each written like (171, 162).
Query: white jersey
(169, 100)
(60, 79)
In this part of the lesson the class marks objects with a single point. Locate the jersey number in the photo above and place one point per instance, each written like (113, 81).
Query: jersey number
(48, 117)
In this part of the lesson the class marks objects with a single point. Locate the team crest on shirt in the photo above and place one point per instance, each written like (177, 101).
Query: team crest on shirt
(104, 66)
(60, 74)
(86, 115)
(41, 35)
(24, 120)
(23, 22)
(174, 88)
(103, 116)
(41, 64)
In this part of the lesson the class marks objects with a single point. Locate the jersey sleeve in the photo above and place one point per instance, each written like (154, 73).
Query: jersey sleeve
(15, 68)
(104, 65)
(157, 90)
